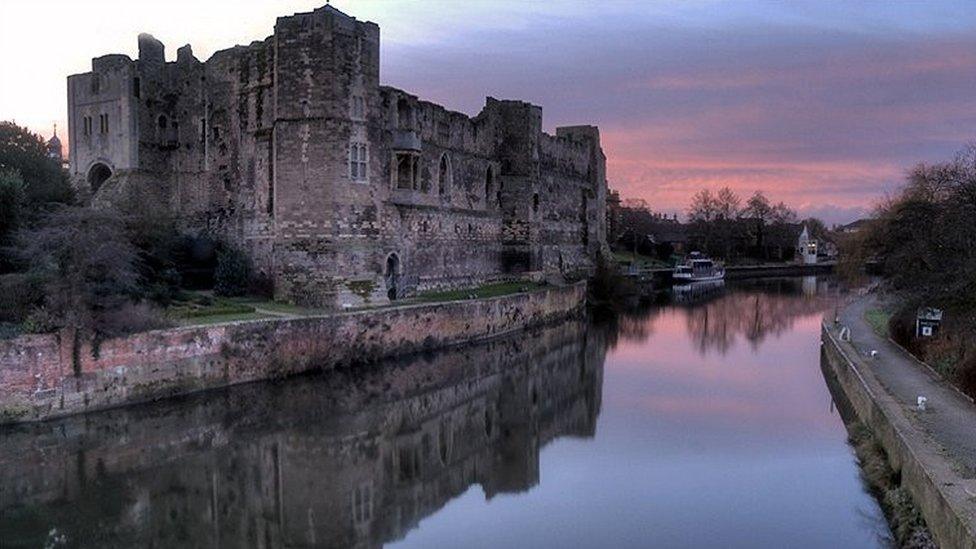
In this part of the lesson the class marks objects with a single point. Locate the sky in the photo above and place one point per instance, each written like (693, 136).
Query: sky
(823, 105)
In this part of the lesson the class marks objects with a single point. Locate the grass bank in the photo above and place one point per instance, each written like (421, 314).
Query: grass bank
(906, 520)
(879, 321)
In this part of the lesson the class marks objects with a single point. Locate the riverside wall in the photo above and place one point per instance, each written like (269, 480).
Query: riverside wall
(47, 376)
(929, 477)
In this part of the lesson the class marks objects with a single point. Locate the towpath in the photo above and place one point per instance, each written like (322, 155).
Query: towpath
(949, 418)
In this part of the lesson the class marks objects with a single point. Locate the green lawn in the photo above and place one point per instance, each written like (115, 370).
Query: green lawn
(200, 308)
(489, 290)
(878, 320)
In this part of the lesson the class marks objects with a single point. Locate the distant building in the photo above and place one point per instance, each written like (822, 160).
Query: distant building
(54, 148)
(806, 247)
(854, 226)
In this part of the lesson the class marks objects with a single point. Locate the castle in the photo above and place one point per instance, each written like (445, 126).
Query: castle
(341, 191)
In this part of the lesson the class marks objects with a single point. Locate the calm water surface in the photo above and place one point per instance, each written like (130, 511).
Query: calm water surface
(705, 422)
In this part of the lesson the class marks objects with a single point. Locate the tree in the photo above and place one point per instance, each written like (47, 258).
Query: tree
(701, 215)
(26, 153)
(728, 209)
(12, 199)
(727, 204)
(86, 265)
(759, 212)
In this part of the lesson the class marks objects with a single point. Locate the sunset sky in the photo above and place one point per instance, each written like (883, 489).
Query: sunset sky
(821, 104)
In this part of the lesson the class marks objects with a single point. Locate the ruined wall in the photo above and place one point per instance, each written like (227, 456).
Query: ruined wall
(44, 377)
(345, 192)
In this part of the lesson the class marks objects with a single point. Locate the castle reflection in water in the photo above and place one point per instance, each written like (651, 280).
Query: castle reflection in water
(335, 460)
(344, 458)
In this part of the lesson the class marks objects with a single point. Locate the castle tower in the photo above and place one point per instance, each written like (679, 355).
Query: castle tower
(325, 176)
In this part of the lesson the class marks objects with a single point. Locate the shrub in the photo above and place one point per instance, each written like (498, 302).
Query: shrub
(84, 265)
(233, 274)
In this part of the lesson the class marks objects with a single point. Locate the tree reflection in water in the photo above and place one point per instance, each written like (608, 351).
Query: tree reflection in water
(716, 319)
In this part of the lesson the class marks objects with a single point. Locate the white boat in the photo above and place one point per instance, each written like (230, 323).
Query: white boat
(697, 268)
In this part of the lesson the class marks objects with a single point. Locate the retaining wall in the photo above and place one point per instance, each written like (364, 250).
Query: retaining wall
(45, 376)
(932, 481)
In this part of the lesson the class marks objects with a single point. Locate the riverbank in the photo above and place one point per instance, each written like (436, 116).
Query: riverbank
(47, 376)
(933, 451)
(664, 276)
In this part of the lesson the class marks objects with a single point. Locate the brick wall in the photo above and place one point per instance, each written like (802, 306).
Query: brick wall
(42, 377)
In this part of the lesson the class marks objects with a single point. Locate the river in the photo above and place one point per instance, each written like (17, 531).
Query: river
(703, 421)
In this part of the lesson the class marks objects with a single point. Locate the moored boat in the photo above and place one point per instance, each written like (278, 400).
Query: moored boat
(697, 268)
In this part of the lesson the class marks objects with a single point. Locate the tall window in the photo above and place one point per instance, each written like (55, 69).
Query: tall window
(489, 186)
(444, 176)
(103, 123)
(358, 161)
(358, 108)
(407, 171)
(86, 124)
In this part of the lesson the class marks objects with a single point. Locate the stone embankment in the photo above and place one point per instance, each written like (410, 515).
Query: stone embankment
(930, 448)
(46, 376)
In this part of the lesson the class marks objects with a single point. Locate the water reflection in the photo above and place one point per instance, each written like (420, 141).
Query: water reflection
(698, 423)
(758, 309)
(339, 460)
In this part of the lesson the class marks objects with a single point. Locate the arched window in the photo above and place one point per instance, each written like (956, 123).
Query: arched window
(535, 202)
(444, 176)
(489, 186)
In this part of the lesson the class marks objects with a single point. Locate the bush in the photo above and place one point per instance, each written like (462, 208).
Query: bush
(233, 274)
(609, 291)
(84, 265)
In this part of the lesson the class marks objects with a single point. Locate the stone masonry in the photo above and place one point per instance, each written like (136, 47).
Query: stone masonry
(342, 191)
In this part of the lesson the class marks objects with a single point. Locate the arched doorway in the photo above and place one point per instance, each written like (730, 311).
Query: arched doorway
(97, 175)
(392, 276)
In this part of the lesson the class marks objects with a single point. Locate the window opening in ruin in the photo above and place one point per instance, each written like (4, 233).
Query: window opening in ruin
(444, 441)
(358, 161)
(136, 87)
(407, 171)
(392, 276)
(404, 114)
(358, 107)
(162, 122)
(489, 186)
(535, 203)
(97, 175)
(444, 176)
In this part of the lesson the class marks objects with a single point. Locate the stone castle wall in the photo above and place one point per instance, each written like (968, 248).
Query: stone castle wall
(291, 149)
(48, 376)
